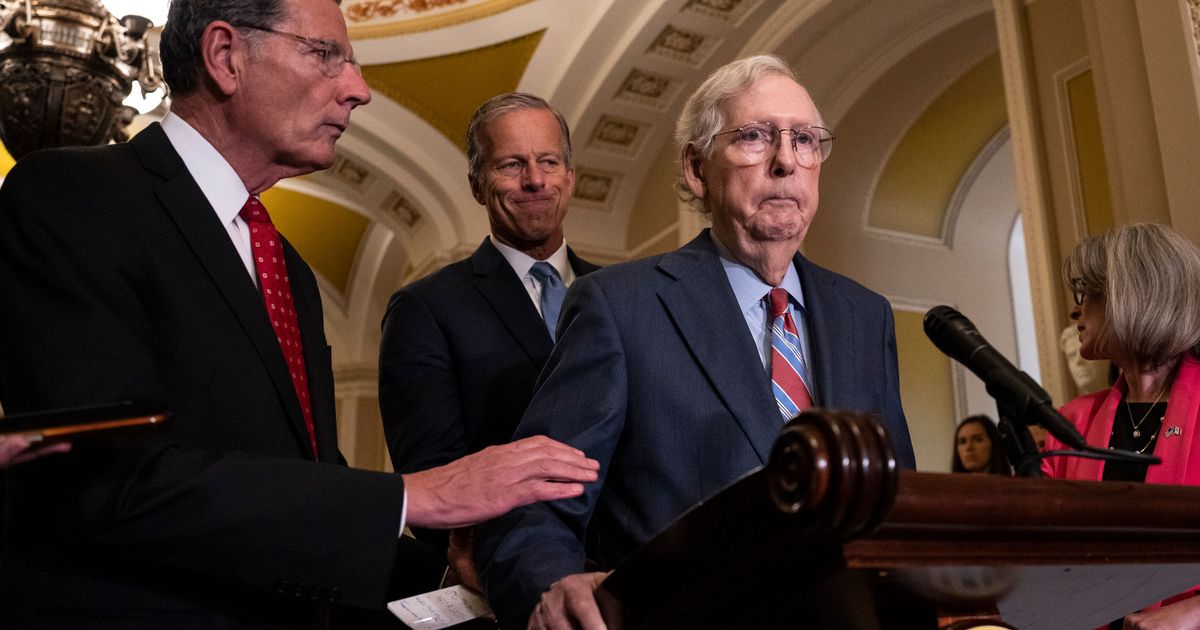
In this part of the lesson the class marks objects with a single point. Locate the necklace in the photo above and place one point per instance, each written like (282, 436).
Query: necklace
(1143, 449)
(1138, 425)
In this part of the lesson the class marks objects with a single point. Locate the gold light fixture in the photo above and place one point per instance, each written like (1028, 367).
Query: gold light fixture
(65, 67)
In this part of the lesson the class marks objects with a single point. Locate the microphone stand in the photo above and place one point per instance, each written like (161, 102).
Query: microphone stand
(1019, 447)
(1020, 401)
(1022, 452)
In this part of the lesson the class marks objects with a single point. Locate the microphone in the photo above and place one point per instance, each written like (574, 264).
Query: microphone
(958, 338)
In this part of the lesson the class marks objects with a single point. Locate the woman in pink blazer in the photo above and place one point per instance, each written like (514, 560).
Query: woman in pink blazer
(1138, 294)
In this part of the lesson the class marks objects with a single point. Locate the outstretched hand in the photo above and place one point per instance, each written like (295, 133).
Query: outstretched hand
(15, 449)
(570, 603)
(486, 484)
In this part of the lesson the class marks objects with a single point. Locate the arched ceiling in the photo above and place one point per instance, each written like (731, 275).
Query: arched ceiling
(396, 205)
(619, 70)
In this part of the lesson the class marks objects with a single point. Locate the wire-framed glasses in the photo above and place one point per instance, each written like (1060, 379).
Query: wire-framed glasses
(759, 140)
(1080, 289)
(329, 54)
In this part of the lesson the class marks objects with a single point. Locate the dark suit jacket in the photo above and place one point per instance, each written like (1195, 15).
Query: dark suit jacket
(461, 351)
(656, 376)
(121, 284)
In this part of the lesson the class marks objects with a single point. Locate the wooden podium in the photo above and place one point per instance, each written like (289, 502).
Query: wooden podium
(831, 535)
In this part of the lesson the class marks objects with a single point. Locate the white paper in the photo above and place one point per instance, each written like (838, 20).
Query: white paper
(440, 609)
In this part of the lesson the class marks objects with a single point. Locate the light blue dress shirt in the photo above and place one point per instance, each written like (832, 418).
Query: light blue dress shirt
(750, 292)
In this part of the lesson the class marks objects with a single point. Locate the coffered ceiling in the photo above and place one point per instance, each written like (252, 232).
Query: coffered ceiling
(396, 204)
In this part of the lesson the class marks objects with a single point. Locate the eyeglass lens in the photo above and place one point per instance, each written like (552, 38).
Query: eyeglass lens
(811, 144)
(330, 54)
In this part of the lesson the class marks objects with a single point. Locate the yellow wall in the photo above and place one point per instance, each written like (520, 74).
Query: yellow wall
(447, 90)
(926, 389)
(326, 234)
(1068, 117)
(1089, 153)
(920, 178)
(6, 161)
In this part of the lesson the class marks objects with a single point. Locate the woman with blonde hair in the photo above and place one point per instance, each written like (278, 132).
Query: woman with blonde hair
(1137, 291)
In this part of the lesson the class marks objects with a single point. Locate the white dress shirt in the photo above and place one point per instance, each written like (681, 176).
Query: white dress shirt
(217, 180)
(226, 193)
(522, 263)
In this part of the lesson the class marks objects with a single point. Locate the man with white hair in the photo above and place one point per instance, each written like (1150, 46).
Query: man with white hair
(678, 371)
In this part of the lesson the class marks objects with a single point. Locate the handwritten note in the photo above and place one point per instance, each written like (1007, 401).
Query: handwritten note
(439, 609)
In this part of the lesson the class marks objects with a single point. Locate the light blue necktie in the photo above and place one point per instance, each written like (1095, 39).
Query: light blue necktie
(553, 291)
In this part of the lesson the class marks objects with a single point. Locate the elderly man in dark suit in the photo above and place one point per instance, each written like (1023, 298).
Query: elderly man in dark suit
(463, 347)
(156, 276)
(678, 371)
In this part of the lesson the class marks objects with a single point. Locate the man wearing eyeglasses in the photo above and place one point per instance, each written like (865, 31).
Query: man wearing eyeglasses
(157, 276)
(678, 371)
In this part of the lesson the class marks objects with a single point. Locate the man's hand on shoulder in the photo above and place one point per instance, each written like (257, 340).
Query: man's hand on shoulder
(486, 484)
(570, 603)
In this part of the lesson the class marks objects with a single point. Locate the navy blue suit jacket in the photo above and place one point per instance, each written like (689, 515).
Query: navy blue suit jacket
(461, 351)
(656, 375)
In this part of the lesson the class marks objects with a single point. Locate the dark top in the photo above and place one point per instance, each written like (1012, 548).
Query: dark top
(1147, 418)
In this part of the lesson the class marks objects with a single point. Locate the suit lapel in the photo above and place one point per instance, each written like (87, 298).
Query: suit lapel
(499, 285)
(209, 242)
(1177, 438)
(704, 309)
(830, 321)
(579, 265)
(317, 360)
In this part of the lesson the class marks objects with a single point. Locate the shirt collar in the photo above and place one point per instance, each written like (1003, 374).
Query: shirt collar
(748, 288)
(216, 178)
(522, 262)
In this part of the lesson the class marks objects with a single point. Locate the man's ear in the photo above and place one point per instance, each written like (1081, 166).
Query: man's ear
(570, 182)
(223, 52)
(693, 172)
(476, 191)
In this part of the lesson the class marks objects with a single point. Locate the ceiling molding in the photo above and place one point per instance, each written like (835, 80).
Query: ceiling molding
(368, 19)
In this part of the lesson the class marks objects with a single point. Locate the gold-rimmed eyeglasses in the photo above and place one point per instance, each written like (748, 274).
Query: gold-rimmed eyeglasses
(330, 56)
(758, 140)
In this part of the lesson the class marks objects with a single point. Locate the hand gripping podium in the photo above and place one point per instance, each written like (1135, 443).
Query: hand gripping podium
(829, 534)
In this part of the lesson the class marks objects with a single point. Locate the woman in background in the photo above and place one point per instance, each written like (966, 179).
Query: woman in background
(977, 448)
(1137, 290)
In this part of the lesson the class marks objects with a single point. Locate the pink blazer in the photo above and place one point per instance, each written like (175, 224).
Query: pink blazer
(1178, 440)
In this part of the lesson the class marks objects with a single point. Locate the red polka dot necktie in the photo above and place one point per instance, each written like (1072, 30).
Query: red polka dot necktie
(269, 264)
(787, 361)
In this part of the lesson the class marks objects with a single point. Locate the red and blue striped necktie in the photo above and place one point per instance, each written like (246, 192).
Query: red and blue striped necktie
(787, 361)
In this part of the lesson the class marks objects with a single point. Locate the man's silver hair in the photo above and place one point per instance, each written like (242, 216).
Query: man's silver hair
(701, 116)
(496, 107)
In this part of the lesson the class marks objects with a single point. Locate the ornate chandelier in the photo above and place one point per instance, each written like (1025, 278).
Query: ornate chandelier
(65, 66)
